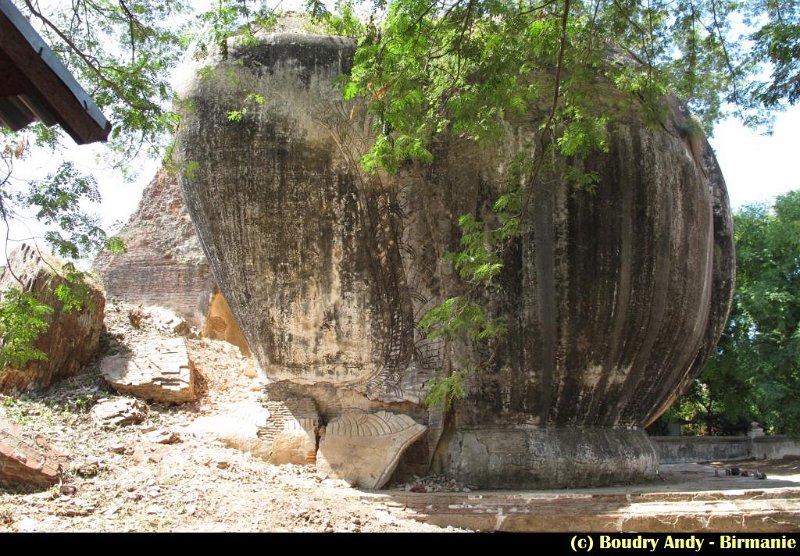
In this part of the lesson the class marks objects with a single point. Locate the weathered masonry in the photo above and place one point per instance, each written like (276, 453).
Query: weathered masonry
(613, 300)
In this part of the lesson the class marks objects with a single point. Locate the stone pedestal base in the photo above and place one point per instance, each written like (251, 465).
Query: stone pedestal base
(528, 457)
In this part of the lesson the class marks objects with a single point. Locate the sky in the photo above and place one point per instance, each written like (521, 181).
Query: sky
(758, 167)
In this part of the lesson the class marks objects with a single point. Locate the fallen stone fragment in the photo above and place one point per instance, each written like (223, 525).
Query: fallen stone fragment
(136, 317)
(156, 370)
(118, 412)
(26, 463)
(163, 437)
(117, 448)
(363, 449)
(74, 507)
(68, 490)
(237, 428)
(90, 469)
(165, 320)
(72, 339)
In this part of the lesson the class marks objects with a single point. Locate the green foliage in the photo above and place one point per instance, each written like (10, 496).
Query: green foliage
(700, 411)
(343, 21)
(73, 292)
(250, 98)
(778, 42)
(236, 115)
(22, 320)
(115, 245)
(582, 134)
(190, 169)
(456, 318)
(56, 200)
(122, 53)
(755, 373)
(443, 391)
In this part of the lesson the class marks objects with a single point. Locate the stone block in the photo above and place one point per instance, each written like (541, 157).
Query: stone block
(363, 449)
(158, 370)
(25, 462)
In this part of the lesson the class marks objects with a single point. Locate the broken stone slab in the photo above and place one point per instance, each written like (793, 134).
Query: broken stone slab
(158, 370)
(292, 430)
(26, 462)
(118, 412)
(165, 320)
(363, 449)
(237, 427)
(163, 436)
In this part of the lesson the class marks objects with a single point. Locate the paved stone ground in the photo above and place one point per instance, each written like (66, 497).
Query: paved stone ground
(688, 498)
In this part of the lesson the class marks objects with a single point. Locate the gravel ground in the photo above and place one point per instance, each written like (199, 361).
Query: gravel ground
(126, 479)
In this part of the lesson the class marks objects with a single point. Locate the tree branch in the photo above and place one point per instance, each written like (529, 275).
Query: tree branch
(725, 54)
(547, 128)
(91, 62)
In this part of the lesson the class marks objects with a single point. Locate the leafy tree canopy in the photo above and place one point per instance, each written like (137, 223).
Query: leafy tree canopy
(464, 67)
(755, 372)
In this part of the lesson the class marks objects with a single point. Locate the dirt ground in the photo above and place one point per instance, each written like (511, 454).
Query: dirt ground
(122, 479)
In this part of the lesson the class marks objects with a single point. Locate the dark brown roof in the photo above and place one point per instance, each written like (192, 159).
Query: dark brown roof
(35, 85)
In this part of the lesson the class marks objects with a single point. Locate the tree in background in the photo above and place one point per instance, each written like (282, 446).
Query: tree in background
(755, 372)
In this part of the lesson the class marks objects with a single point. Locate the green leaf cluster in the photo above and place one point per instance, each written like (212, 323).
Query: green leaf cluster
(22, 320)
(456, 318)
(754, 374)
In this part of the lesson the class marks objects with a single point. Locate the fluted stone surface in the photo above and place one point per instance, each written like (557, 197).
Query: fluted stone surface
(613, 300)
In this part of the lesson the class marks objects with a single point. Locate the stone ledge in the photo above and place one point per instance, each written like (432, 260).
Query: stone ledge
(750, 510)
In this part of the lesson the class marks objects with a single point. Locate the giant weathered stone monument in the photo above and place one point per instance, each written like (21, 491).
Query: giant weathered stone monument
(613, 300)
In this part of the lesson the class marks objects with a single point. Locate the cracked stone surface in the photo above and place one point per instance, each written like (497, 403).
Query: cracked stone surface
(613, 299)
(25, 461)
(158, 370)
